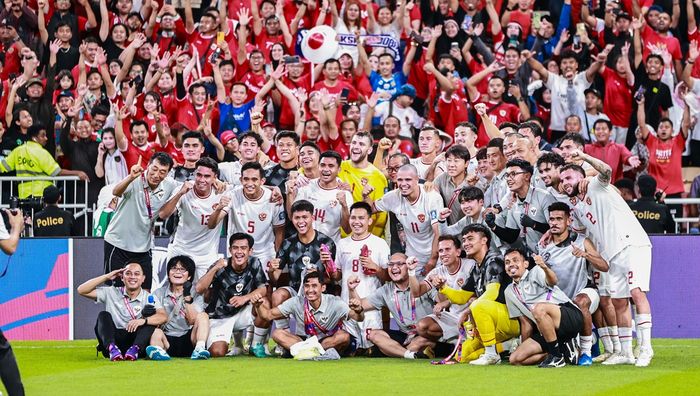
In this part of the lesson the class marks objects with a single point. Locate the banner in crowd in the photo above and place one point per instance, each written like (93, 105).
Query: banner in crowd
(35, 291)
(35, 303)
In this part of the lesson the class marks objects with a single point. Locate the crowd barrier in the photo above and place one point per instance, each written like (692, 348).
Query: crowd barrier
(38, 300)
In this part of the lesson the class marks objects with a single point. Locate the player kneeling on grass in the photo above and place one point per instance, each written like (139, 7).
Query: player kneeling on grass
(186, 331)
(484, 287)
(131, 313)
(407, 310)
(316, 314)
(549, 321)
(229, 286)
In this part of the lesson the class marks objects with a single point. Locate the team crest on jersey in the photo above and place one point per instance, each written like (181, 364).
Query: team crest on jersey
(533, 211)
(546, 256)
(153, 128)
(306, 260)
(502, 113)
(421, 217)
(573, 200)
(239, 287)
(588, 200)
(262, 216)
(324, 318)
(460, 282)
(333, 203)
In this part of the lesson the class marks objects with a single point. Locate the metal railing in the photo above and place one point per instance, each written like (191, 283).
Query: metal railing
(66, 183)
(688, 221)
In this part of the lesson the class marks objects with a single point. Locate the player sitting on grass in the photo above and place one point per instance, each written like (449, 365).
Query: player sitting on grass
(396, 296)
(186, 331)
(131, 313)
(484, 285)
(230, 285)
(549, 321)
(316, 314)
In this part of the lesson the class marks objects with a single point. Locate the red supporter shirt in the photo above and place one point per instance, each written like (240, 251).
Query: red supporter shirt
(189, 116)
(665, 162)
(335, 91)
(418, 77)
(652, 39)
(498, 112)
(524, 19)
(451, 112)
(303, 85)
(613, 154)
(618, 103)
(254, 81)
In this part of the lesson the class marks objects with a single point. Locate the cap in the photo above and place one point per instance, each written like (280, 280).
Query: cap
(226, 137)
(51, 194)
(450, 20)
(406, 89)
(64, 94)
(266, 124)
(656, 8)
(33, 81)
(8, 23)
(623, 15)
(594, 92)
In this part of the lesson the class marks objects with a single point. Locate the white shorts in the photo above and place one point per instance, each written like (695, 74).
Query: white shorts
(449, 323)
(373, 320)
(602, 282)
(223, 329)
(630, 269)
(593, 296)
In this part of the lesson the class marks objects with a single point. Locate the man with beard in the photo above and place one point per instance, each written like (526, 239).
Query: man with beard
(195, 204)
(316, 314)
(572, 257)
(129, 237)
(396, 296)
(624, 245)
(567, 89)
(331, 204)
(525, 208)
(657, 95)
(485, 284)
(186, 331)
(361, 176)
(659, 36)
(549, 165)
(232, 286)
(417, 210)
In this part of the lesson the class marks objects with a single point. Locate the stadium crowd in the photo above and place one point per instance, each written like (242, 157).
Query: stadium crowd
(470, 166)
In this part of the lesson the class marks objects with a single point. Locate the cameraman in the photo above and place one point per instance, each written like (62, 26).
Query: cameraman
(9, 373)
(654, 216)
(54, 221)
(131, 313)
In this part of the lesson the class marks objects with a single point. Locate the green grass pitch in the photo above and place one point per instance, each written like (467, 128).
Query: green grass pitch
(71, 368)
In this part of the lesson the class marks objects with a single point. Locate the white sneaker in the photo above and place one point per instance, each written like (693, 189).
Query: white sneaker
(637, 349)
(486, 360)
(602, 357)
(616, 359)
(279, 351)
(235, 351)
(644, 358)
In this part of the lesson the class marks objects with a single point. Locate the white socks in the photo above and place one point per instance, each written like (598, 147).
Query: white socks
(199, 344)
(644, 330)
(259, 334)
(615, 339)
(626, 341)
(586, 342)
(491, 350)
(605, 338)
(409, 355)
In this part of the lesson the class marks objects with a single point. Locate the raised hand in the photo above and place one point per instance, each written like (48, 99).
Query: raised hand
(353, 282)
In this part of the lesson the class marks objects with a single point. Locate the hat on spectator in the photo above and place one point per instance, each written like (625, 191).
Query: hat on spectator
(64, 94)
(594, 92)
(8, 23)
(33, 81)
(266, 124)
(450, 20)
(51, 194)
(226, 137)
(656, 8)
(623, 15)
(406, 89)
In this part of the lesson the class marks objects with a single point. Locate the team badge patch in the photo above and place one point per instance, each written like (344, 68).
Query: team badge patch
(460, 282)
(306, 260)
(324, 318)
(239, 287)
(262, 216)
(546, 256)
(333, 203)
(588, 200)
(421, 217)
(533, 211)
(433, 214)
(502, 113)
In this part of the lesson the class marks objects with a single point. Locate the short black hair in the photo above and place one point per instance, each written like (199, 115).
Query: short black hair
(312, 275)
(251, 134)
(468, 125)
(496, 142)
(479, 229)
(311, 144)
(508, 124)
(208, 162)
(35, 129)
(518, 250)
(574, 137)
(481, 154)
(453, 238)
(162, 158)
(185, 261)
(533, 126)
(551, 158)
(573, 167)
(522, 164)
(239, 236)
(196, 85)
(362, 205)
(136, 123)
(99, 109)
(457, 151)
(302, 206)
(568, 54)
(646, 185)
(603, 121)
(559, 206)
(332, 154)
(193, 135)
(287, 134)
(253, 165)
(470, 193)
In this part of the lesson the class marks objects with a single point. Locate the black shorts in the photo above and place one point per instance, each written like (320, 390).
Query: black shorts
(116, 258)
(397, 335)
(181, 346)
(570, 325)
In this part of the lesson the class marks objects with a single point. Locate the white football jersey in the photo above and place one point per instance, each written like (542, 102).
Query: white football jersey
(348, 261)
(608, 219)
(421, 167)
(417, 219)
(256, 218)
(193, 237)
(535, 205)
(230, 172)
(327, 209)
(454, 280)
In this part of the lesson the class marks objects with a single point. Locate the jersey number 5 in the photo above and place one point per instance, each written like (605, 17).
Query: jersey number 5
(251, 227)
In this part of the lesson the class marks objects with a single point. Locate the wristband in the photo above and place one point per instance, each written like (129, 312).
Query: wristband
(145, 321)
(411, 272)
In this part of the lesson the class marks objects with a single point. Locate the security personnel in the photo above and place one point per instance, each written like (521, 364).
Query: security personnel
(32, 160)
(655, 218)
(54, 221)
